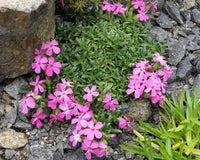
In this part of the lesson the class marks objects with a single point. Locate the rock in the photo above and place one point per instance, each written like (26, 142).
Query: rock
(9, 153)
(57, 155)
(196, 84)
(173, 11)
(186, 14)
(24, 26)
(192, 46)
(1, 88)
(12, 139)
(196, 16)
(177, 51)
(178, 33)
(8, 108)
(77, 155)
(2, 109)
(173, 77)
(140, 111)
(13, 88)
(163, 21)
(188, 4)
(6, 98)
(11, 116)
(184, 68)
(159, 34)
(198, 64)
(160, 4)
(40, 153)
(22, 125)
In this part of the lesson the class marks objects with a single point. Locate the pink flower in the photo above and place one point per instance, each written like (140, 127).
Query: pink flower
(40, 63)
(153, 6)
(82, 120)
(153, 85)
(89, 146)
(76, 137)
(142, 64)
(39, 53)
(119, 8)
(37, 85)
(27, 101)
(63, 3)
(93, 131)
(66, 111)
(63, 93)
(159, 58)
(132, 88)
(125, 122)
(109, 102)
(64, 83)
(139, 4)
(90, 93)
(166, 73)
(54, 100)
(58, 117)
(36, 118)
(108, 7)
(49, 46)
(52, 67)
(158, 98)
(142, 16)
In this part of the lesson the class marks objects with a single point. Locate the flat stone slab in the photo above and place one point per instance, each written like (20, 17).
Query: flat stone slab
(12, 139)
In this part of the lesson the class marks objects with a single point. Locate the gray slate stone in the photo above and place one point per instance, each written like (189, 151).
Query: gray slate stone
(192, 46)
(163, 21)
(173, 11)
(184, 68)
(196, 16)
(173, 77)
(188, 4)
(13, 88)
(159, 34)
(77, 155)
(2, 106)
(186, 14)
(38, 152)
(196, 84)
(177, 51)
(23, 125)
(160, 4)
(57, 155)
(9, 153)
(11, 115)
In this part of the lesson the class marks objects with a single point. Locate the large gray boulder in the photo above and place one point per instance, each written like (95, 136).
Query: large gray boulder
(24, 26)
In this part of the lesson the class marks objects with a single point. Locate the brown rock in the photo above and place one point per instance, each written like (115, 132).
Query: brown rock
(140, 111)
(24, 26)
(12, 139)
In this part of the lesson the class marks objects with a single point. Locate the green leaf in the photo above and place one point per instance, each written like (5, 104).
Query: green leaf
(191, 145)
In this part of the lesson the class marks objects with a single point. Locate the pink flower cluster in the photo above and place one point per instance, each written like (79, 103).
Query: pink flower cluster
(115, 8)
(47, 64)
(141, 8)
(145, 79)
(65, 106)
(138, 5)
(87, 129)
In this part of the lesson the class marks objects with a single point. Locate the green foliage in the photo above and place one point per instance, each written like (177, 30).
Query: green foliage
(178, 134)
(102, 51)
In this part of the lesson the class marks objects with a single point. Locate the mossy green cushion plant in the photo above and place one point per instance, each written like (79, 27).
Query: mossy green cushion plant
(103, 52)
(178, 135)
